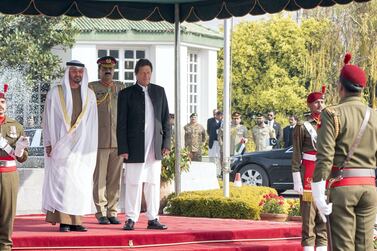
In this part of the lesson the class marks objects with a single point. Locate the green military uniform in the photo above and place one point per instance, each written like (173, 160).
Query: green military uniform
(11, 130)
(107, 175)
(313, 229)
(195, 137)
(354, 206)
(261, 137)
(237, 133)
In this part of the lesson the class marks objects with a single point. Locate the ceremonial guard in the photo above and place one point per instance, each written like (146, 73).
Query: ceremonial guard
(13, 146)
(108, 172)
(347, 158)
(303, 164)
(195, 137)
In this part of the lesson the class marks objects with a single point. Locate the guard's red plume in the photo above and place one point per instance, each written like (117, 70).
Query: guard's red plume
(323, 89)
(5, 87)
(347, 58)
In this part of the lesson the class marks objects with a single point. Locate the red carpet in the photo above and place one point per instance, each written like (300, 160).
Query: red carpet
(184, 233)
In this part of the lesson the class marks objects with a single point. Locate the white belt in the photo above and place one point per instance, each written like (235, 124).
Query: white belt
(310, 157)
(7, 163)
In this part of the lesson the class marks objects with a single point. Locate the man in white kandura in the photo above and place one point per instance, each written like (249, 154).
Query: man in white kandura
(70, 131)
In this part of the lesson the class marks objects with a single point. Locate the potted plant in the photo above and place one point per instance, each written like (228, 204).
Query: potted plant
(168, 173)
(294, 210)
(273, 207)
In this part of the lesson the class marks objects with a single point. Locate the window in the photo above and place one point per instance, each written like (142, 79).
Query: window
(193, 80)
(130, 59)
(126, 61)
(115, 54)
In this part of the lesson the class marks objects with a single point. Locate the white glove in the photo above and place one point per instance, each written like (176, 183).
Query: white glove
(5, 146)
(318, 191)
(22, 143)
(297, 183)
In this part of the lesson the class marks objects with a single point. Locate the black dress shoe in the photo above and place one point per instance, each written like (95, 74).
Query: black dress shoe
(64, 228)
(155, 224)
(113, 220)
(103, 220)
(130, 224)
(78, 228)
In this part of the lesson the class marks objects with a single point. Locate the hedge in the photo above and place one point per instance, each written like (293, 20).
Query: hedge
(243, 203)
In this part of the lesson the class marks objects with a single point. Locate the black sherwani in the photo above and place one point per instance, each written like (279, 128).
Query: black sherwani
(131, 122)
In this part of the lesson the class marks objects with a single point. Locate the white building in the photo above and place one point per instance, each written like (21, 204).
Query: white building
(128, 41)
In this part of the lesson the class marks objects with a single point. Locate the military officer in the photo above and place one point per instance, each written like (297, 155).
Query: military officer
(238, 135)
(347, 157)
(107, 175)
(195, 136)
(13, 146)
(303, 163)
(264, 136)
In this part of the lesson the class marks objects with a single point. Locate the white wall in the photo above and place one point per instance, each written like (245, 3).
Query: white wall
(162, 58)
(208, 85)
(87, 54)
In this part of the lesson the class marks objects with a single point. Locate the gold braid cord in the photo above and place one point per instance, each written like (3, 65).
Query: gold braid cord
(100, 101)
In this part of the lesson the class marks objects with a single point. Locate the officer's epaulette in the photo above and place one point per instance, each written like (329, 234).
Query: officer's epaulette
(331, 111)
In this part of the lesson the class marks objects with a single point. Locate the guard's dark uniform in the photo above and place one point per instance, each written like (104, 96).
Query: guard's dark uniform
(303, 161)
(11, 130)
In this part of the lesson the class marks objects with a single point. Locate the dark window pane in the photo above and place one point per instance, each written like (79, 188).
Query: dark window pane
(129, 76)
(195, 79)
(43, 98)
(35, 97)
(195, 68)
(116, 65)
(190, 78)
(129, 65)
(195, 89)
(195, 58)
(190, 88)
(128, 54)
(116, 75)
(45, 88)
(114, 53)
(195, 99)
(140, 54)
(102, 53)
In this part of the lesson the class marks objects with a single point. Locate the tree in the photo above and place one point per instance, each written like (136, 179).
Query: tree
(269, 66)
(26, 43)
(354, 28)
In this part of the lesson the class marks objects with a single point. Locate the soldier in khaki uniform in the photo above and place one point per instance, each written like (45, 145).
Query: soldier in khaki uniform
(195, 137)
(13, 146)
(264, 136)
(347, 157)
(303, 164)
(238, 135)
(107, 175)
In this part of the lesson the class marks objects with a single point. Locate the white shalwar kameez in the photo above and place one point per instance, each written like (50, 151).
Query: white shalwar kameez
(67, 186)
(148, 172)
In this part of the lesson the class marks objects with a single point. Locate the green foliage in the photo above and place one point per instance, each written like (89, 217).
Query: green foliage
(242, 203)
(272, 203)
(168, 164)
(294, 207)
(277, 62)
(26, 43)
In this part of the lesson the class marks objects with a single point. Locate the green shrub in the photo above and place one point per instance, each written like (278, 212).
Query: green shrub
(243, 203)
